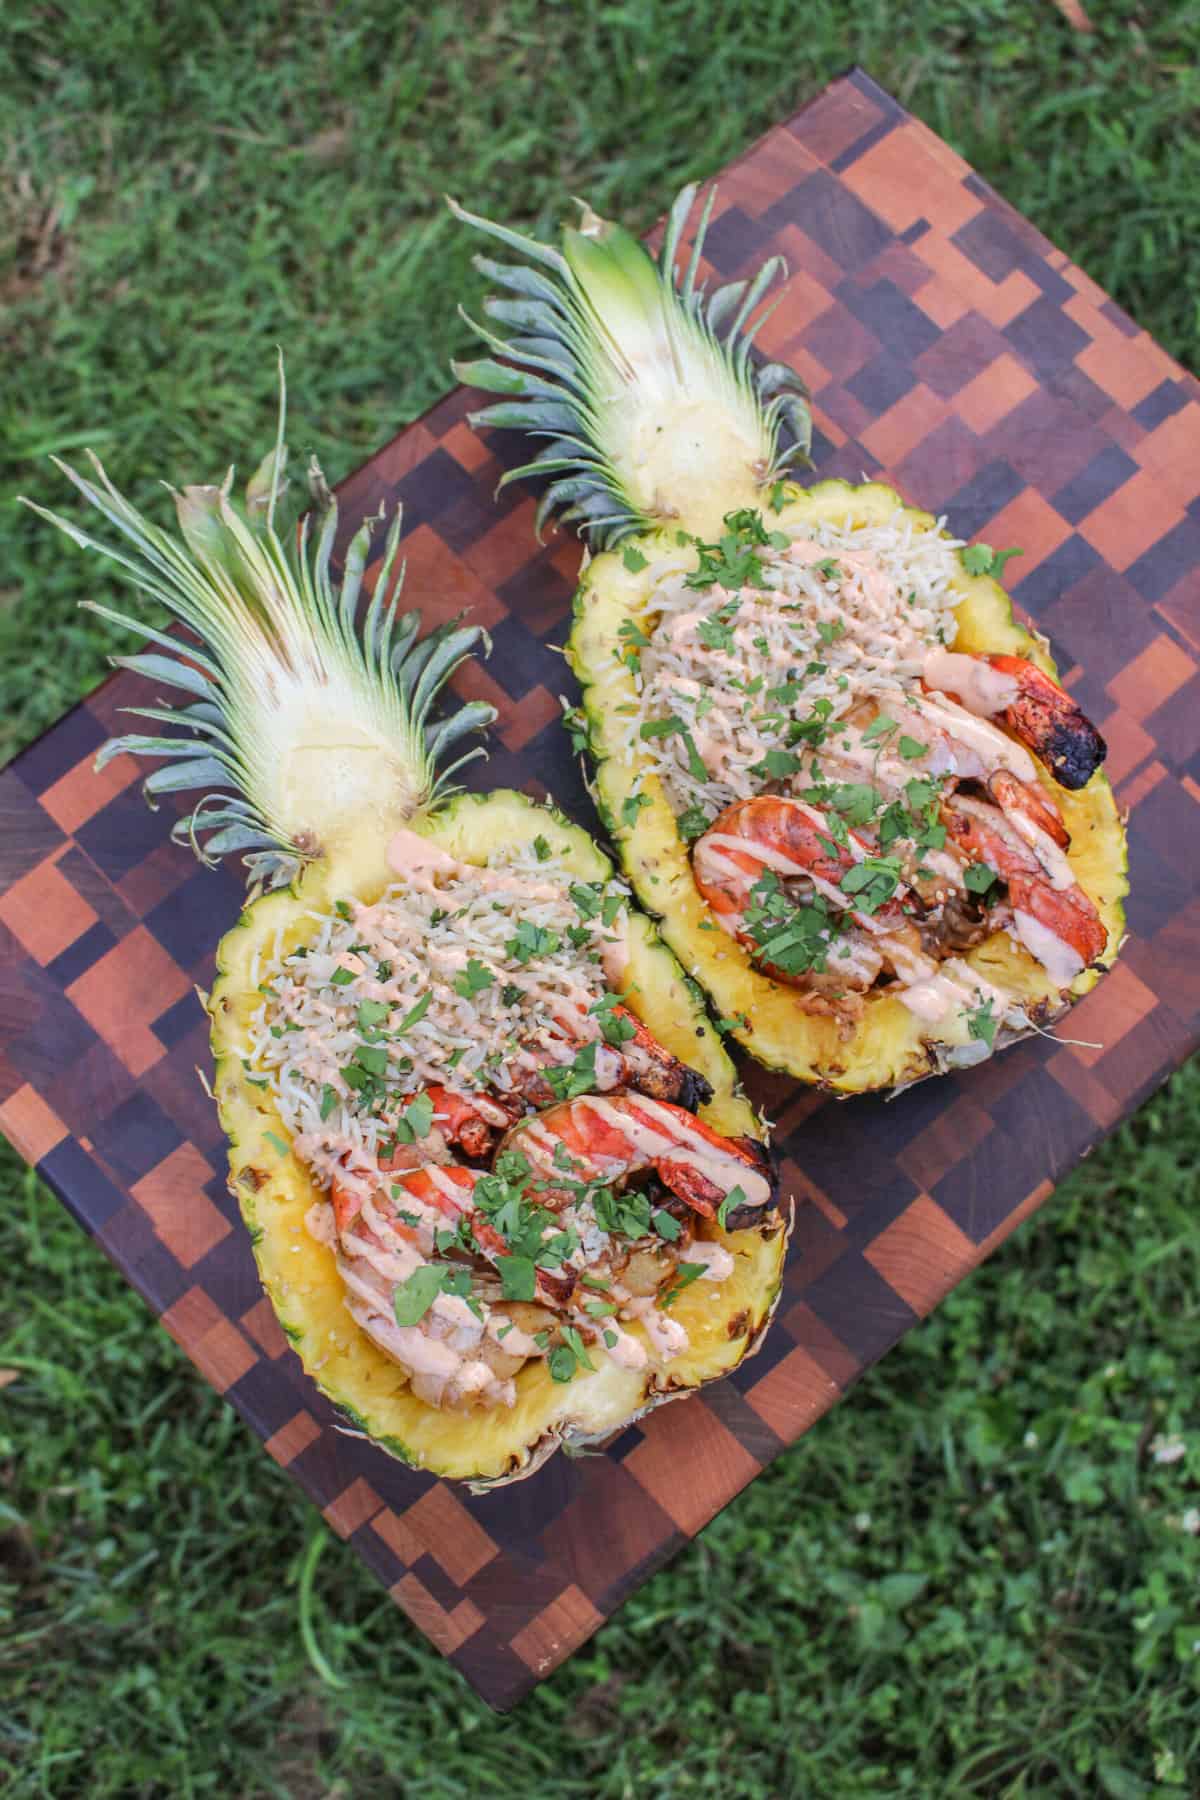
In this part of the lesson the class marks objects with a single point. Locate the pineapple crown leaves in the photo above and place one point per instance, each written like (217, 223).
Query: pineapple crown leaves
(605, 351)
(298, 726)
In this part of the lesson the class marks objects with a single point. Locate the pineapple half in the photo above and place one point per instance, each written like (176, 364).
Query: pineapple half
(312, 743)
(659, 424)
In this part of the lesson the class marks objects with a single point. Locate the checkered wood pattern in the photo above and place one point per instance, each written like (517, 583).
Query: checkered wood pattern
(953, 351)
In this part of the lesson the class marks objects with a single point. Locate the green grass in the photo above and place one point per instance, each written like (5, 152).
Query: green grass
(922, 1597)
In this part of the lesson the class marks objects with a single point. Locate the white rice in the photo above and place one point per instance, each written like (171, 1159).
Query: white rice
(824, 639)
(307, 1030)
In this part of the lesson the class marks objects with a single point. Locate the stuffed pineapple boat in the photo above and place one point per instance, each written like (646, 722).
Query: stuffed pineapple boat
(847, 781)
(493, 1213)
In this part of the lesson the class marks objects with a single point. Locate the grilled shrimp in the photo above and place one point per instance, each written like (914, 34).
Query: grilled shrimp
(1052, 916)
(601, 1141)
(1033, 706)
(411, 1206)
(639, 1063)
(793, 840)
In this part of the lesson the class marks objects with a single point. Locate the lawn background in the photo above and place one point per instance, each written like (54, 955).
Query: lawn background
(974, 1577)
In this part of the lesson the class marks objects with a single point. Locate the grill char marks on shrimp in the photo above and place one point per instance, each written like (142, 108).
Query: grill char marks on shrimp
(1037, 711)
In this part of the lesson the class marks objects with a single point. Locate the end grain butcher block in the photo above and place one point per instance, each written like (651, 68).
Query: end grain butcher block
(952, 352)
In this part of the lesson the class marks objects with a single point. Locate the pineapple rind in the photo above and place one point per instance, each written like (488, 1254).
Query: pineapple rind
(890, 1047)
(274, 1191)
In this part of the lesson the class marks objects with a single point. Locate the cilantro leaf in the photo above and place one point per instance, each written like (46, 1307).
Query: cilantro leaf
(530, 941)
(734, 1198)
(416, 1121)
(631, 806)
(328, 1100)
(979, 878)
(473, 979)
(981, 559)
(518, 1277)
(666, 1225)
(910, 749)
(685, 1274)
(414, 1297)
(417, 1013)
(633, 560)
(692, 823)
(981, 1023)
(775, 765)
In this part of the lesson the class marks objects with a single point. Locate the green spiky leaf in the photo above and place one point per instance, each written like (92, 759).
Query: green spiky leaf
(303, 726)
(642, 381)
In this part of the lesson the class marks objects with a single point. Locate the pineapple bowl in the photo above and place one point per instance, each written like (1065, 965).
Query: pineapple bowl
(494, 1212)
(846, 781)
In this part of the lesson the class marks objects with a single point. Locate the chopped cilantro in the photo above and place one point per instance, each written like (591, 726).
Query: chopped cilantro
(541, 849)
(518, 1277)
(273, 1138)
(328, 1100)
(776, 764)
(733, 1199)
(910, 749)
(372, 1013)
(616, 1027)
(473, 979)
(979, 878)
(342, 909)
(631, 806)
(572, 1338)
(692, 823)
(561, 1363)
(530, 941)
(571, 1079)
(872, 881)
(511, 994)
(416, 1121)
(878, 728)
(414, 1297)
(735, 1022)
(981, 1023)
(586, 898)
(981, 559)
(600, 1309)
(633, 560)
(576, 723)
(685, 1274)
(416, 1014)
(628, 1215)
(778, 497)
(734, 561)
(342, 977)
(666, 1225)
(717, 633)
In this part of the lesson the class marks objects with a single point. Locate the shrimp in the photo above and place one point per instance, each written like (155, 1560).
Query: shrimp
(639, 1062)
(439, 1191)
(1032, 705)
(791, 839)
(600, 1141)
(1053, 917)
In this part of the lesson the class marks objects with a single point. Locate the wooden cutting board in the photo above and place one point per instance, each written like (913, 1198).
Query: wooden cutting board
(952, 351)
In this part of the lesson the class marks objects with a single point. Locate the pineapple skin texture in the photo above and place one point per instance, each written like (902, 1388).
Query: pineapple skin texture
(890, 1048)
(724, 1320)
